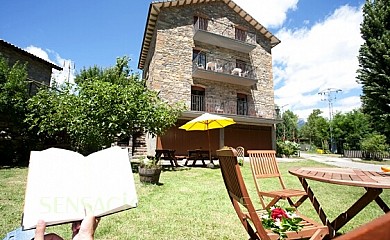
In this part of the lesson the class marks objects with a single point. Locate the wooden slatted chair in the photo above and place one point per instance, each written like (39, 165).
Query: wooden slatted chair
(241, 154)
(245, 210)
(377, 229)
(263, 165)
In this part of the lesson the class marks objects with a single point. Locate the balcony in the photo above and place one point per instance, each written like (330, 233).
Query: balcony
(224, 35)
(199, 103)
(212, 68)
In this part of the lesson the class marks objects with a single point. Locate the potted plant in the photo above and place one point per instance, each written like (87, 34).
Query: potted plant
(149, 170)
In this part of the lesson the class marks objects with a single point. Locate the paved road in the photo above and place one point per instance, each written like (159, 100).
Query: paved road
(341, 162)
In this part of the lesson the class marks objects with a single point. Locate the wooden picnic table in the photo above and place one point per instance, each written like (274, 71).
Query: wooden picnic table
(373, 182)
(167, 154)
(198, 154)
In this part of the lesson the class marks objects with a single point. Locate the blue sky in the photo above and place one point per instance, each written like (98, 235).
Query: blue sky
(319, 48)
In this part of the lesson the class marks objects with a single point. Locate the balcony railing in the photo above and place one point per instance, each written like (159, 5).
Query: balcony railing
(214, 68)
(198, 103)
(224, 35)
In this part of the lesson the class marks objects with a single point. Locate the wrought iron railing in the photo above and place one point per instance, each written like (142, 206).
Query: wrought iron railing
(199, 103)
(209, 62)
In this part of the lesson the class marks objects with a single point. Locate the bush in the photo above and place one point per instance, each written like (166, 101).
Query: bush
(374, 143)
(287, 148)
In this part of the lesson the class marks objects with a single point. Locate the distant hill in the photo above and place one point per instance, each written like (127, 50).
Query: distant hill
(301, 122)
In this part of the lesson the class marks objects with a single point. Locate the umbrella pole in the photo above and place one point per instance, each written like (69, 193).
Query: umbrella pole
(208, 135)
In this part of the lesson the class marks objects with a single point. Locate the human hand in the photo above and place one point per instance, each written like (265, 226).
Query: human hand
(83, 230)
(40, 232)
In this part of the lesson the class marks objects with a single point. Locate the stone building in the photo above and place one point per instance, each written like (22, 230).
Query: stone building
(214, 57)
(38, 70)
(14, 149)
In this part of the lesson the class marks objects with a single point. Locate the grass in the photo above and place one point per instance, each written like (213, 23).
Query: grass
(190, 203)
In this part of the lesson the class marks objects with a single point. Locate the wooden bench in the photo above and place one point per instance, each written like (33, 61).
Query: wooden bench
(197, 154)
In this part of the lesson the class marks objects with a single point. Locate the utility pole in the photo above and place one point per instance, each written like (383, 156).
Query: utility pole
(71, 66)
(329, 95)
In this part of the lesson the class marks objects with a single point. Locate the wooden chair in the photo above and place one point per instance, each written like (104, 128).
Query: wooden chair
(241, 154)
(377, 229)
(263, 165)
(250, 218)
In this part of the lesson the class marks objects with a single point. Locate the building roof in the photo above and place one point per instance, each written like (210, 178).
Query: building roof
(156, 6)
(9, 45)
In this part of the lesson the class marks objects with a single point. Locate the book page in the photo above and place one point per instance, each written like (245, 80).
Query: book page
(52, 185)
(62, 185)
(110, 182)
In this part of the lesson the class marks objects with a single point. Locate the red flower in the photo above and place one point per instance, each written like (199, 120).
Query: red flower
(278, 213)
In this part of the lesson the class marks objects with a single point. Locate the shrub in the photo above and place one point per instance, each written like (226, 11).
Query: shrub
(287, 148)
(374, 143)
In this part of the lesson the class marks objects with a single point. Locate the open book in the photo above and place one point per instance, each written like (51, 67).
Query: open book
(63, 185)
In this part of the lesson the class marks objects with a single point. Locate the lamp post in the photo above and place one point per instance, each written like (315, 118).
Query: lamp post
(279, 115)
(284, 124)
(329, 95)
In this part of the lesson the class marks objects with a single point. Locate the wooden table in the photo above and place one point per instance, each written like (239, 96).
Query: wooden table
(198, 154)
(373, 182)
(169, 154)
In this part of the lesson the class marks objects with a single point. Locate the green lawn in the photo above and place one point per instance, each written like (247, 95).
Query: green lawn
(190, 203)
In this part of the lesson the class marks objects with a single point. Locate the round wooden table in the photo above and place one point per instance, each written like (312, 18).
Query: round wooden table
(373, 182)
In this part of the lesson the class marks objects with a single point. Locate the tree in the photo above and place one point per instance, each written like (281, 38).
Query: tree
(373, 144)
(351, 128)
(288, 129)
(13, 96)
(316, 129)
(105, 105)
(374, 64)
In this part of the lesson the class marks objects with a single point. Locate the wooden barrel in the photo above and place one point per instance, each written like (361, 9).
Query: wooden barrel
(149, 175)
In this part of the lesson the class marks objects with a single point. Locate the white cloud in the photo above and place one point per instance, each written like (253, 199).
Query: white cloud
(39, 52)
(68, 72)
(260, 10)
(347, 104)
(311, 59)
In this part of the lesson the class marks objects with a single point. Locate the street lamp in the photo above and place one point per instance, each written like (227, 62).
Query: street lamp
(329, 95)
(279, 115)
(284, 124)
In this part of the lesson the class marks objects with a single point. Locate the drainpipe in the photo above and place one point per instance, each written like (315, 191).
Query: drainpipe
(273, 133)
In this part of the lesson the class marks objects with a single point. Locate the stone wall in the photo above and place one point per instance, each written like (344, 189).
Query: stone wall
(169, 63)
(37, 69)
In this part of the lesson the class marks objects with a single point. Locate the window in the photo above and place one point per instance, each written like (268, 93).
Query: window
(197, 98)
(199, 58)
(200, 23)
(242, 104)
(240, 34)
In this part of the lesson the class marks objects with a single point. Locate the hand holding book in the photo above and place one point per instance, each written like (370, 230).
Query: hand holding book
(84, 230)
(62, 184)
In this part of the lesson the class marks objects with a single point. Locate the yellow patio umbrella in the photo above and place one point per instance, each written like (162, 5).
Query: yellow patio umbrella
(205, 122)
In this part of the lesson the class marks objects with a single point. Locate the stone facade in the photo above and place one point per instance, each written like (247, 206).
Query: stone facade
(172, 43)
(169, 64)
